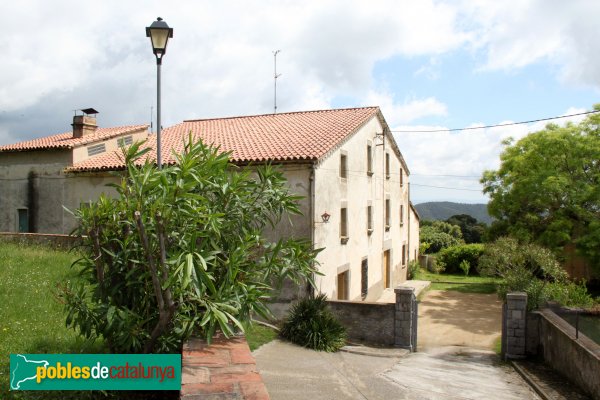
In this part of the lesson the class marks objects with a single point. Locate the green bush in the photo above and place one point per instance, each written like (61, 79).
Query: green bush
(453, 256)
(534, 270)
(413, 269)
(465, 266)
(311, 324)
(181, 251)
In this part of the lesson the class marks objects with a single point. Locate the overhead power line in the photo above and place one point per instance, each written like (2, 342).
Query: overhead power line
(495, 126)
(446, 187)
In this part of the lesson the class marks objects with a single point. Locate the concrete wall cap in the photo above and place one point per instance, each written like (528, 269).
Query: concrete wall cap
(516, 296)
(404, 289)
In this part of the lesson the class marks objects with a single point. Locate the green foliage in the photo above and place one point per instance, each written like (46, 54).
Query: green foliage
(465, 266)
(547, 189)
(472, 231)
(453, 256)
(413, 269)
(439, 235)
(531, 269)
(180, 251)
(311, 324)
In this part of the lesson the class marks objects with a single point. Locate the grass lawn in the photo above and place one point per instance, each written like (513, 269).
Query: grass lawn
(32, 319)
(258, 335)
(459, 282)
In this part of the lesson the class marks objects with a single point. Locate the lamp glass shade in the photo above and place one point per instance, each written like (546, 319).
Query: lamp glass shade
(159, 33)
(159, 39)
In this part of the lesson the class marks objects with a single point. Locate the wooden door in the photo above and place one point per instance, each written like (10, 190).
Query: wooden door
(387, 273)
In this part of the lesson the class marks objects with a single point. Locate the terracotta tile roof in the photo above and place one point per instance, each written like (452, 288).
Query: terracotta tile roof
(298, 136)
(67, 141)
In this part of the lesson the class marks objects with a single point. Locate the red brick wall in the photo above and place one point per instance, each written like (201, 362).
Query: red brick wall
(226, 368)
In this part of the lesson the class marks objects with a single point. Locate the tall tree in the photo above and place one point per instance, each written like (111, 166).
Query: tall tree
(472, 230)
(547, 189)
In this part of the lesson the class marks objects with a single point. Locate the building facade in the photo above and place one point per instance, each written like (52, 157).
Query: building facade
(344, 163)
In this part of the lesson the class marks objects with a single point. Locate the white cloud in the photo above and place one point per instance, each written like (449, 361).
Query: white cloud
(516, 34)
(410, 110)
(464, 154)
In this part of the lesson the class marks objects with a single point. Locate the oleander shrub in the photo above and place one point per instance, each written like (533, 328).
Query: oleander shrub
(311, 324)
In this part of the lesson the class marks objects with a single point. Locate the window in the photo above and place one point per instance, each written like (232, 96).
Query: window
(344, 225)
(96, 149)
(401, 177)
(369, 160)
(403, 254)
(387, 165)
(369, 220)
(401, 214)
(23, 220)
(343, 166)
(387, 214)
(343, 285)
(126, 141)
(364, 278)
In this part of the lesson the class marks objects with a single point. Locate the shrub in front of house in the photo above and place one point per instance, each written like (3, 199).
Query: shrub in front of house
(452, 257)
(311, 324)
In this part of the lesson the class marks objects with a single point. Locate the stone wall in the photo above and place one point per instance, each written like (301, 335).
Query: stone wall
(55, 241)
(366, 322)
(383, 324)
(544, 334)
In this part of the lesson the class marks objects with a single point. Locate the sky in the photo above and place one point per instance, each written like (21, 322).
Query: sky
(427, 64)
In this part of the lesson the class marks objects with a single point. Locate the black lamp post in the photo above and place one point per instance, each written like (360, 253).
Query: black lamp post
(159, 33)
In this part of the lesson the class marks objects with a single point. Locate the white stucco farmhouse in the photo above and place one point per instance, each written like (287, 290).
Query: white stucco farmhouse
(344, 162)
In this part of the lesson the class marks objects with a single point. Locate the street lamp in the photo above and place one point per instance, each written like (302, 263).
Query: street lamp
(159, 33)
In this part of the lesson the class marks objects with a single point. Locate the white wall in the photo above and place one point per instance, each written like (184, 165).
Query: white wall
(356, 192)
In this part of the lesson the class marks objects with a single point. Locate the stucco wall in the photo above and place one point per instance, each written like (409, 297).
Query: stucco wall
(356, 193)
(414, 235)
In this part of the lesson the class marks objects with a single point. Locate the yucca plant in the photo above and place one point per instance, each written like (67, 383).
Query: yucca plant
(311, 324)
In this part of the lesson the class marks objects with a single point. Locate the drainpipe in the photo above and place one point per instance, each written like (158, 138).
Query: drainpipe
(408, 213)
(311, 212)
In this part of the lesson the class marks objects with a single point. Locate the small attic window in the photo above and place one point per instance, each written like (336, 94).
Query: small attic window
(126, 141)
(96, 149)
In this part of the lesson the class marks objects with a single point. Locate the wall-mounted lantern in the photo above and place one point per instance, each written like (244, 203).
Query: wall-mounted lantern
(325, 217)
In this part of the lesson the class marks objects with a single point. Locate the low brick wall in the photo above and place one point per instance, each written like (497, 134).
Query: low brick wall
(223, 370)
(366, 322)
(46, 239)
(577, 359)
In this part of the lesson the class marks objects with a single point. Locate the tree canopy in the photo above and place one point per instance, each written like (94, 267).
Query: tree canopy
(547, 189)
(439, 235)
(472, 230)
(181, 250)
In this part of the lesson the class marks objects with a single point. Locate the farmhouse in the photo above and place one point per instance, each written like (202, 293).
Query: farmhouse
(344, 162)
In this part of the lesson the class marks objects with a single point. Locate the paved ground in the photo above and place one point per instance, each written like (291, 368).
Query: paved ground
(440, 370)
(450, 318)
(291, 372)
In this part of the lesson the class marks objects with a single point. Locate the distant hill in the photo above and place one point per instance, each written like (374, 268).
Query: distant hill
(443, 210)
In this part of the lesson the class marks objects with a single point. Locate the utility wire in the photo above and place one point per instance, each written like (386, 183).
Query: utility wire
(446, 187)
(497, 125)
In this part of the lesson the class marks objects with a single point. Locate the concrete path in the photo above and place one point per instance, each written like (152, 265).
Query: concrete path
(291, 372)
(451, 318)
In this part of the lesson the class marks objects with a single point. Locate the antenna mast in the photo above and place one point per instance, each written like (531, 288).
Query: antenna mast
(275, 76)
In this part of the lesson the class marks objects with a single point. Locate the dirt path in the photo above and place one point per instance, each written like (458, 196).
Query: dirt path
(450, 318)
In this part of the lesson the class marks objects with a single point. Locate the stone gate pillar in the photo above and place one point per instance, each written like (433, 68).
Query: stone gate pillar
(405, 318)
(514, 325)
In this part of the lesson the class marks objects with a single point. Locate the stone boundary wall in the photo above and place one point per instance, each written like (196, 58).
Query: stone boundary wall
(46, 239)
(223, 370)
(544, 334)
(577, 359)
(365, 321)
(383, 324)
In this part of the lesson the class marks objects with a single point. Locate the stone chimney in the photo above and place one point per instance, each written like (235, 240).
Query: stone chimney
(84, 125)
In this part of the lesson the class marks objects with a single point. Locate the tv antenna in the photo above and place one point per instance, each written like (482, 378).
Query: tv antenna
(275, 76)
